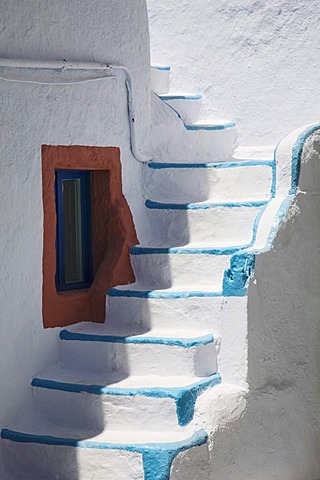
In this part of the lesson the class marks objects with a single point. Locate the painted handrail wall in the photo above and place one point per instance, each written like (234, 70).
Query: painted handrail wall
(286, 172)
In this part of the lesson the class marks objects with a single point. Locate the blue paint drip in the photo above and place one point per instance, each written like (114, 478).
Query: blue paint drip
(157, 464)
(185, 397)
(203, 206)
(161, 294)
(236, 278)
(235, 164)
(179, 342)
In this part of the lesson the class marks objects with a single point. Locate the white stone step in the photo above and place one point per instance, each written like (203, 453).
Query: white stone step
(211, 138)
(160, 78)
(34, 449)
(233, 181)
(161, 267)
(209, 224)
(187, 105)
(95, 348)
(254, 152)
(185, 310)
(125, 403)
(204, 141)
(133, 306)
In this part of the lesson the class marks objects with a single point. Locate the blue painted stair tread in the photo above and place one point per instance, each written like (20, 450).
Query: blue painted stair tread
(189, 249)
(180, 96)
(180, 390)
(203, 205)
(137, 339)
(157, 457)
(165, 68)
(210, 124)
(217, 165)
(139, 291)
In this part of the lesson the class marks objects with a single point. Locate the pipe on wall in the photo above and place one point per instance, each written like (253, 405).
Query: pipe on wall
(65, 66)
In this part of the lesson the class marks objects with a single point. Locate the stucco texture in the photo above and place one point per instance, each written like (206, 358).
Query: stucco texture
(36, 114)
(254, 61)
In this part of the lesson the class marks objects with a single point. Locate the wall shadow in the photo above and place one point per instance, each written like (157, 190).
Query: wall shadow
(278, 433)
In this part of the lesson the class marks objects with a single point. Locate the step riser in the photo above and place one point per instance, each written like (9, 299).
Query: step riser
(181, 314)
(226, 318)
(165, 270)
(118, 412)
(142, 359)
(29, 461)
(160, 80)
(188, 109)
(193, 146)
(214, 226)
(187, 185)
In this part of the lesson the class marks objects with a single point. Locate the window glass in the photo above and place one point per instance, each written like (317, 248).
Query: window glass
(74, 256)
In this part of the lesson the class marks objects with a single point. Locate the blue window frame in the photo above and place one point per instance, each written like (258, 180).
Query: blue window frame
(74, 248)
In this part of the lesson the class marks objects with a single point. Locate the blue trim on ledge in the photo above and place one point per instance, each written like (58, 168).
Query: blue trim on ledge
(202, 206)
(157, 457)
(185, 397)
(233, 164)
(166, 96)
(178, 342)
(161, 294)
(166, 68)
(297, 150)
(281, 213)
(274, 175)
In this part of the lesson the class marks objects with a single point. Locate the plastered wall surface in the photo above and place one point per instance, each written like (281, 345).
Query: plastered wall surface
(273, 429)
(254, 61)
(86, 113)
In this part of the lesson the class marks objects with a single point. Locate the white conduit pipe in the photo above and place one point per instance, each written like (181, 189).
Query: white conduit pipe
(64, 66)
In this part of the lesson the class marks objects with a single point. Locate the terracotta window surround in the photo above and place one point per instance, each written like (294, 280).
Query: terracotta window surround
(113, 233)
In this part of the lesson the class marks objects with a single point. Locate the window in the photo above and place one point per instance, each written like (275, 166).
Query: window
(74, 255)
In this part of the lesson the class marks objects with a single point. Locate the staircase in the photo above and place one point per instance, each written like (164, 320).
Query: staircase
(123, 402)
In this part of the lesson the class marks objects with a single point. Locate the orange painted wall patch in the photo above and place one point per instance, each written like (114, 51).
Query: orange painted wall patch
(113, 233)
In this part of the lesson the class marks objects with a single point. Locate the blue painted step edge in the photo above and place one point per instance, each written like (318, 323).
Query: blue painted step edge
(185, 397)
(137, 250)
(232, 164)
(222, 126)
(179, 342)
(160, 294)
(167, 96)
(157, 457)
(202, 206)
(166, 68)
(235, 283)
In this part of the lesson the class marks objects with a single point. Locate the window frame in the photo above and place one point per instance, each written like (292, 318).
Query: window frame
(84, 177)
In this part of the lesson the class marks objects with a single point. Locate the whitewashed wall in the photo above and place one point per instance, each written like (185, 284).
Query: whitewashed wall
(93, 113)
(254, 61)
